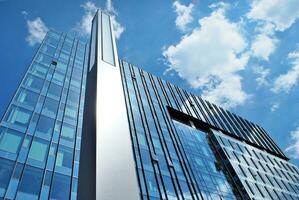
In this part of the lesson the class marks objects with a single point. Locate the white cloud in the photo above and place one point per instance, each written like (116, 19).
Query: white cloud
(275, 106)
(90, 8)
(183, 15)
(280, 13)
(84, 26)
(208, 59)
(293, 148)
(263, 46)
(37, 31)
(285, 82)
(262, 75)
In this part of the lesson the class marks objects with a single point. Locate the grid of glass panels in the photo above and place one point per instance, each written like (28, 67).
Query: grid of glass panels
(169, 156)
(211, 180)
(40, 133)
(262, 175)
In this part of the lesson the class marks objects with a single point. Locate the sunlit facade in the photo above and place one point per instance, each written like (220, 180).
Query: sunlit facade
(136, 136)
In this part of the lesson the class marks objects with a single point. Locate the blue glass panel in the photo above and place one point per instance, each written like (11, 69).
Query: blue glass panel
(44, 59)
(18, 116)
(10, 143)
(30, 184)
(44, 127)
(49, 50)
(64, 160)
(54, 90)
(50, 107)
(6, 168)
(38, 153)
(60, 187)
(34, 82)
(67, 135)
(27, 97)
(39, 69)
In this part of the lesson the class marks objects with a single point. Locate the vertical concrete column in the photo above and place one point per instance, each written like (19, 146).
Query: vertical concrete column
(106, 145)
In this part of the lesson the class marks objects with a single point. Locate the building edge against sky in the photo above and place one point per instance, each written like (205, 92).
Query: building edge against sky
(134, 135)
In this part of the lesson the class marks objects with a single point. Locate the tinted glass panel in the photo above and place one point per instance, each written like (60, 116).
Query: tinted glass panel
(34, 82)
(60, 187)
(30, 184)
(6, 168)
(44, 127)
(27, 97)
(18, 116)
(10, 143)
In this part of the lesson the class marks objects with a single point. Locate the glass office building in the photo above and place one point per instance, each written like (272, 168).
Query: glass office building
(40, 133)
(136, 136)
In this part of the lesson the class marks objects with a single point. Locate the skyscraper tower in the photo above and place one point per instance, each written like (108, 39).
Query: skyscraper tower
(84, 124)
(40, 132)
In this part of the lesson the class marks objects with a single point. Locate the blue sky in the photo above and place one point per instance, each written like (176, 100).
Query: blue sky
(243, 55)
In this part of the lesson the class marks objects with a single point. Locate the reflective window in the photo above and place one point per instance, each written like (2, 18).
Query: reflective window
(48, 50)
(44, 127)
(18, 116)
(27, 97)
(10, 143)
(55, 90)
(30, 183)
(60, 187)
(38, 152)
(68, 134)
(39, 69)
(6, 168)
(108, 54)
(50, 107)
(70, 112)
(64, 160)
(58, 77)
(73, 97)
(34, 82)
(62, 66)
(44, 59)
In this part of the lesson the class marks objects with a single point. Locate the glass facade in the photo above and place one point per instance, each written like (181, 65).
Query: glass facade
(40, 133)
(183, 146)
(179, 155)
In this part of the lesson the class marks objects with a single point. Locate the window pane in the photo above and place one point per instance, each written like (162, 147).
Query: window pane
(64, 160)
(38, 152)
(18, 116)
(58, 77)
(34, 82)
(73, 97)
(39, 69)
(108, 54)
(48, 49)
(44, 59)
(10, 143)
(67, 134)
(6, 168)
(70, 112)
(60, 187)
(50, 107)
(55, 90)
(30, 183)
(61, 66)
(44, 127)
(27, 97)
